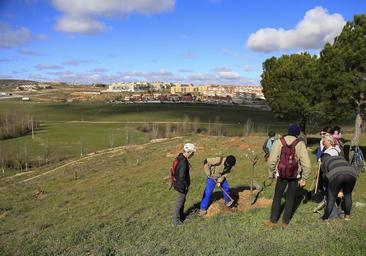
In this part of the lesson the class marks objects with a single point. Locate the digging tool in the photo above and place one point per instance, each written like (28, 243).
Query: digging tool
(255, 198)
(254, 162)
(266, 183)
(223, 191)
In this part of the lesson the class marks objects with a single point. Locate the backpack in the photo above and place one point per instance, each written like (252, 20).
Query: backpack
(172, 172)
(288, 166)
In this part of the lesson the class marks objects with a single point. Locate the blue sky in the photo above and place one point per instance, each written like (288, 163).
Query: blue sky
(197, 41)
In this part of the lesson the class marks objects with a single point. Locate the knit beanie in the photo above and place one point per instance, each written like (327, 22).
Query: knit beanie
(294, 130)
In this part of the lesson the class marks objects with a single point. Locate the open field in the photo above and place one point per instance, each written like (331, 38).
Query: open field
(67, 130)
(120, 205)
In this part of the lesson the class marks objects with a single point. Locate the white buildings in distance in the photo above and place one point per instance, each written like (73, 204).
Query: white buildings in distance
(237, 93)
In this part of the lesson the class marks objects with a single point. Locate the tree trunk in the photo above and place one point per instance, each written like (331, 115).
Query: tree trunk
(357, 132)
(303, 124)
(361, 106)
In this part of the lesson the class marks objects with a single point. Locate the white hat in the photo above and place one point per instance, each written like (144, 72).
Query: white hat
(189, 147)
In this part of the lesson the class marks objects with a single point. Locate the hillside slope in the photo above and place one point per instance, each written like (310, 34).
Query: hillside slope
(120, 204)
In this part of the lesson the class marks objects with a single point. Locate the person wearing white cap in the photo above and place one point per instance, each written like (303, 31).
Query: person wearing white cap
(181, 181)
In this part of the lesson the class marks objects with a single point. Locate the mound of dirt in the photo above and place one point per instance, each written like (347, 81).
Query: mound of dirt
(236, 143)
(243, 204)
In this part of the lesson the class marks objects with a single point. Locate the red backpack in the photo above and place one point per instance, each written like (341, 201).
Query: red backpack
(288, 166)
(172, 172)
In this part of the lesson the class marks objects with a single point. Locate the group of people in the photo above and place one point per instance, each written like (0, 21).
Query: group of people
(289, 163)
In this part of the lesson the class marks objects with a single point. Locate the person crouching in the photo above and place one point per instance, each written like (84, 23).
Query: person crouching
(216, 169)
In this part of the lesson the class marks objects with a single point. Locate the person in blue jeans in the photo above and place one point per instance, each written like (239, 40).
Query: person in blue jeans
(216, 169)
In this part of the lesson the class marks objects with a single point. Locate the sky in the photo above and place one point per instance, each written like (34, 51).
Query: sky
(189, 41)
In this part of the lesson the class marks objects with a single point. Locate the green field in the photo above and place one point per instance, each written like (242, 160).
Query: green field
(68, 130)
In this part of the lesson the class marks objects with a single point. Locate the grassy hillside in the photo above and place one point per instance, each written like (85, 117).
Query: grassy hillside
(120, 205)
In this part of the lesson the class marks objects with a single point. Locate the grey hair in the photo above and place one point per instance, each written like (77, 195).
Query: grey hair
(329, 138)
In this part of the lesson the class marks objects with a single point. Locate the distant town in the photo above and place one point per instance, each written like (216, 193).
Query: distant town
(134, 92)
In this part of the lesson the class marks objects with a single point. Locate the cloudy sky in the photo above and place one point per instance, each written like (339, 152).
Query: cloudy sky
(198, 41)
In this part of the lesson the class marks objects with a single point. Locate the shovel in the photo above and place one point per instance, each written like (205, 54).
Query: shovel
(223, 191)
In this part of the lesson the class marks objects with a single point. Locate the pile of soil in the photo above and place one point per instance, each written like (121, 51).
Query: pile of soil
(243, 204)
(236, 143)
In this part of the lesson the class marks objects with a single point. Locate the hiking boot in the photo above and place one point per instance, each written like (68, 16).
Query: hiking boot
(347, 217)
(202, 213)
(270, 224)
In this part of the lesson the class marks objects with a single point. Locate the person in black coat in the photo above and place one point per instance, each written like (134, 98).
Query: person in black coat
(181, 182)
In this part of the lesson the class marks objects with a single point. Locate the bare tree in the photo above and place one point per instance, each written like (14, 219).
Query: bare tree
(82, 148)
(2, 160)
(196, 123)
(32, 124)
(218, 126)
(185, 124)
(46, 153)
(26, 156)
(168, 130)
(111, 139)
(127, 134)
(248, 127)
(154, 131)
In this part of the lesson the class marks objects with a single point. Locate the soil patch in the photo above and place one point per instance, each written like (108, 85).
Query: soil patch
(236, 143)
(243, 204)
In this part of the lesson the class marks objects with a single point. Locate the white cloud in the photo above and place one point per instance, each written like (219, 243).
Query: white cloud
(228, 75)
(29, 52)
(47, 66)
(185, 70)
(162, 75)
(73, 24)
(10, 38)
(6, 76)
(248, 68)
(220, 69)
(76, 62)
(220, 75)
(7, 59)
(317, 28)
(103, 76)
(13, 38)
(99, 70)
(80, 16)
